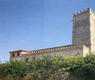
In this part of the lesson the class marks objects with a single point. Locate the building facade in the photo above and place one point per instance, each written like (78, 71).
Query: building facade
(82, 40)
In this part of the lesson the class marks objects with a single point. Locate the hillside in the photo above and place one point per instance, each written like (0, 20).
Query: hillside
(56, 68)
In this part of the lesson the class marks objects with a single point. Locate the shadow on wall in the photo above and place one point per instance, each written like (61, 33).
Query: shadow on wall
(75, 77)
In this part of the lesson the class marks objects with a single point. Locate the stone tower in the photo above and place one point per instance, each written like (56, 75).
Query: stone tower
(84, 29)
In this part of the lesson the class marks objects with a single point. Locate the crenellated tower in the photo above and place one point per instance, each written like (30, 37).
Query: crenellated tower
(84, 28)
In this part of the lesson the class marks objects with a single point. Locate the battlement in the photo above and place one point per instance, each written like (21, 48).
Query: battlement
(55, 49)
(47, 50)
(66, 51)
(88, 10)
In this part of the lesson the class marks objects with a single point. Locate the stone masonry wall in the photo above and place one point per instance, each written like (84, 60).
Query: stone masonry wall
(73, 51)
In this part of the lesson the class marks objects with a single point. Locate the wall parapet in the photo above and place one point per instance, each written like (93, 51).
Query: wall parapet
(54, 49)
(88, 10)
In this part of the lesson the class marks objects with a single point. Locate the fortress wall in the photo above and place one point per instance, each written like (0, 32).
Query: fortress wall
(69, 51)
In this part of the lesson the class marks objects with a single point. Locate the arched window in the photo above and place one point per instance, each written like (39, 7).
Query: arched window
(13, 55)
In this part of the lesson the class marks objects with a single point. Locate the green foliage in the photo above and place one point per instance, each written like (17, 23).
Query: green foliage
(87, 69)
(49, 68)
(15, 69)
(73, 63)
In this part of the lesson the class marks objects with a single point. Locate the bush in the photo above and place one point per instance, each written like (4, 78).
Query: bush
(49, 68)
(87, 69)
(15, 69)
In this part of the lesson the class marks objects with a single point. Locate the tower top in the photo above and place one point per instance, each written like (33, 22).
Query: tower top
(84, 28)
(88, 10)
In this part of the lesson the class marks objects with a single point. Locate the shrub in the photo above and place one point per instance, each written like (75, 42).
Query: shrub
(15, 68)
(87, 69)
(49, 68)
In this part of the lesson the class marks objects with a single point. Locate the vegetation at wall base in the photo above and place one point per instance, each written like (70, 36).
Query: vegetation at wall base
(50, 68)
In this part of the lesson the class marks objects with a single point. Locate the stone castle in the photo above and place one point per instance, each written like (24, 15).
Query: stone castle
(83, 40)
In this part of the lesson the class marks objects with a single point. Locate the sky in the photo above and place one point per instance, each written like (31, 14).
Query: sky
(37, 24)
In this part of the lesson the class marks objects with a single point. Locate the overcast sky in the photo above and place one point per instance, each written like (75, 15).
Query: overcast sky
(37, 24)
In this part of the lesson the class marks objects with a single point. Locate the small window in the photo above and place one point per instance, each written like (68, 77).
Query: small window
(13, 55)
(18, 54)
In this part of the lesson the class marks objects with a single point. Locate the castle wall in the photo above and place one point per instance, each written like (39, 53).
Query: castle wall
(69, 51)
